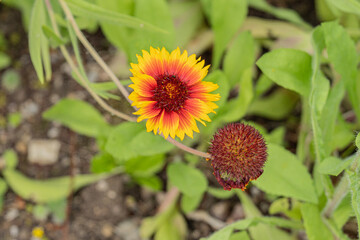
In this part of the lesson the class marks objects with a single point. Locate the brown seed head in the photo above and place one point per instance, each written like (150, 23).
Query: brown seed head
(238, 155)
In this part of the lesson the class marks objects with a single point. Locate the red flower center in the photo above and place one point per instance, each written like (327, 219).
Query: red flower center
(170, 93)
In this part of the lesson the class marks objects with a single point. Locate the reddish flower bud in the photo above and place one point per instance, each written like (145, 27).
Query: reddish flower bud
(238, 154)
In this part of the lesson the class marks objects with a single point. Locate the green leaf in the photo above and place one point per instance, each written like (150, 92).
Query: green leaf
(11, 159)
(5, 60)
(220, 193)
(314, 226)
(281, 176)
(3, 189)
(330, 114)
(239, 57)
(282, 100)
(102, 162)
(147, 143)
(40, 212)
(260, 231)
(240, 235)
(289, 68)
(224, 233)
(190, 203)
(235, 109)
(354, 179)
(281, 13)
(349, 6)
(289, 207)
(188, 18)
(86, 9)
(343, 211)
(130, 140)
(14, 119)
(145, 166)
(357, 141)
(226, 20)
(10, 80)
(189, 180)
(152, 182)
(38, 44)
(58, 209)
(51, 35)
(333, 165)
(49, 190)
(79, 116)
(119, 141)
(175, 228)
(342, 53)
(218, 77)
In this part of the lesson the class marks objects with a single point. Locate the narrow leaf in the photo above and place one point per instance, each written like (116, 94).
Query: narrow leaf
(87, 9)
(314, 226)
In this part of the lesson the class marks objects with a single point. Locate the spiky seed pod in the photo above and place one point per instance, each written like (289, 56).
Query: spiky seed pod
(238, 154)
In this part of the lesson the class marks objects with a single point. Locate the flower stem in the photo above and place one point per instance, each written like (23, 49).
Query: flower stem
(340, 192)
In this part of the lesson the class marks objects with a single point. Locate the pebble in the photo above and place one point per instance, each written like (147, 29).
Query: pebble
(14, 231)
(29, 109)
(220, 210)
(111, 194)
(102, 186)
(12, 214)
(128, 230)
(107, 230)
(237, 212)
(43, 151)
(20, 147)
(53, 132)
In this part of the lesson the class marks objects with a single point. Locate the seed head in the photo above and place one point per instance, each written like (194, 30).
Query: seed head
(238, 154)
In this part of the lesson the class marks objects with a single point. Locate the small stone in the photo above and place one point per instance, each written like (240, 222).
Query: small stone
(14, 231)
(102, 186)
(53, 132)
(128, 230)
(43, 152)
(237, 212)
(111, 194)
(107, 230)
(29, 109)
(220, 210)
(12, 214)
(20, 147)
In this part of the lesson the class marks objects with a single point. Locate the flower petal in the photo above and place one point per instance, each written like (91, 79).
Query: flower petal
(169, 122)
(147, 111)
(143, 85)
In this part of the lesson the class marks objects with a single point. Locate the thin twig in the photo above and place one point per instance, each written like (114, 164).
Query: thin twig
(169, 199)
(92, 51)
(71, 184)
(201, 215)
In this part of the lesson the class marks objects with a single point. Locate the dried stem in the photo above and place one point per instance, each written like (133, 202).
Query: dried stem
(67, 57)
(92, 51)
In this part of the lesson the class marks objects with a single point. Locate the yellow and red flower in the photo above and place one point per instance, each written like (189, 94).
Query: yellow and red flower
(170, 93)
(238, 154)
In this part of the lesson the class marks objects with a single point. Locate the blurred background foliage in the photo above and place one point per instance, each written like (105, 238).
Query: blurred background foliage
(267, 68)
